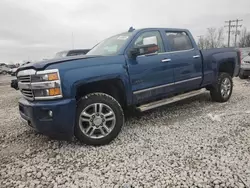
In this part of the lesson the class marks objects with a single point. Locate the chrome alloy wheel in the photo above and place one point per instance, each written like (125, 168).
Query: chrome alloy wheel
(225, 88)
(97, 120)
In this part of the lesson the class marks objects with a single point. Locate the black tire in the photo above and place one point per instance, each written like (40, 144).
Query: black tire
(4, 72)
(242, 76)
(112, 104)
(215, 91)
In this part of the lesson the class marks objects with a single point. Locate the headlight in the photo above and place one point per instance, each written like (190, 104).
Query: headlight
(47, 92)
(46, 84)
(44, 77)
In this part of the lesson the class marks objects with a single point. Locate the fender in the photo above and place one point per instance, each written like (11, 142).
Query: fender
(224, 58)
(213, 62)
(122, 77)
(84, 71)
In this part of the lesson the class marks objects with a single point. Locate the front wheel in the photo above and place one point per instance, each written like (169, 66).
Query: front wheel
(99, 119)
(222, 90)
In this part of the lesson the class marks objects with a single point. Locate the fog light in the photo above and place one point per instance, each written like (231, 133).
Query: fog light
(50, 113)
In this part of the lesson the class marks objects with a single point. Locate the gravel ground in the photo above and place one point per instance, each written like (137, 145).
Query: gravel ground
(194, 143)
(5, 79)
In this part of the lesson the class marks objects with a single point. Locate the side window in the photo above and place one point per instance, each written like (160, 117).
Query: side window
(179, 41)
(150, 37)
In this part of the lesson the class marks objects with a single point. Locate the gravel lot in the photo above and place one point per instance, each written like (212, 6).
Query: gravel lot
(194, 143)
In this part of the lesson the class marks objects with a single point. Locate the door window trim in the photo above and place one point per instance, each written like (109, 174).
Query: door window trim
(176, 51)
(171, 52)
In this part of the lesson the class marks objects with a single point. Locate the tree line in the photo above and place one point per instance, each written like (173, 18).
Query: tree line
(215, 38)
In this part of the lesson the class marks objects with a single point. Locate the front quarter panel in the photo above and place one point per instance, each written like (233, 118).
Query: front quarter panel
(78, 72)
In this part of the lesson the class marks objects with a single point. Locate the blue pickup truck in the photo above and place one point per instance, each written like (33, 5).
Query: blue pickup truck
(86, 96)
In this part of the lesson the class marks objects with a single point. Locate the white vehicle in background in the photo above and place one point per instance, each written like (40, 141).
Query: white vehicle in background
(13, 71)
(245, 67)
(4, 69)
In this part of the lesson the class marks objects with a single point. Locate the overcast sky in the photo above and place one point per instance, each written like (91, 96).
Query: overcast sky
(37, 29)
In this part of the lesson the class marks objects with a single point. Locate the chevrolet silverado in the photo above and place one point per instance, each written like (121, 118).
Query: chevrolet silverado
(85, 96)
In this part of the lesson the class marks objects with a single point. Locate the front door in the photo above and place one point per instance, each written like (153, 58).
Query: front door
(151, 75)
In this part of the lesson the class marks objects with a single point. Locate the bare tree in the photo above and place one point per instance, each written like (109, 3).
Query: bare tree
(244, 40)
(201, 43)
(213, 39)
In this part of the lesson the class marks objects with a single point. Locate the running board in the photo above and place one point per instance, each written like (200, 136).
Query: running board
(176, 98)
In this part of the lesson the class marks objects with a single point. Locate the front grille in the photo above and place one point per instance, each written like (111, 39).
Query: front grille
(27, 93)
(24, 79)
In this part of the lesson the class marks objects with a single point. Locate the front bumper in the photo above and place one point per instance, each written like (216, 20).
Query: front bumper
(60, 125)
(245, 69)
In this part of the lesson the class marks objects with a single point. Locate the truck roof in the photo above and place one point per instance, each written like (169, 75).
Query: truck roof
(160, 28)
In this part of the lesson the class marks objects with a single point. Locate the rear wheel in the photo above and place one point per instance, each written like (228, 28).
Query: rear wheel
(99, 119)
(4, 72)
(222, 90)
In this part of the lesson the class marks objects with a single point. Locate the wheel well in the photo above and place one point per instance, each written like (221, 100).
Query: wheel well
(112, 87)
(227, 67)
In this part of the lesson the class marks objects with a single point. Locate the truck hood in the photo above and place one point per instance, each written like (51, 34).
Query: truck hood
(42, 64)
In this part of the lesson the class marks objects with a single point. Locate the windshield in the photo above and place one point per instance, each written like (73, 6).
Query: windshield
(110, 46)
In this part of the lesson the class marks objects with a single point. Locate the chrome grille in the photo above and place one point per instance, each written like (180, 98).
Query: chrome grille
(24, 79)
(24, 82)
(27, 93)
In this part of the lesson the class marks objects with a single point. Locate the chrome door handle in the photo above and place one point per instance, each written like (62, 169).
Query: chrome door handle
(196, 56)
(165, 60)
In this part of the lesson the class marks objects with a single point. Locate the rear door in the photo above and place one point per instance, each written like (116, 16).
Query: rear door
(186, 60)
(151, 75)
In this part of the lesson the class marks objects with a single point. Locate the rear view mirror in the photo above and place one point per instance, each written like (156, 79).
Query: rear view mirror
(144, 49)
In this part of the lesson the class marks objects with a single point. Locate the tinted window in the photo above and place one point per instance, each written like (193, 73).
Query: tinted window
(150, 37)
(179, 41)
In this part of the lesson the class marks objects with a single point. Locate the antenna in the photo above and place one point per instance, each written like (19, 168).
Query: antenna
(72, 40)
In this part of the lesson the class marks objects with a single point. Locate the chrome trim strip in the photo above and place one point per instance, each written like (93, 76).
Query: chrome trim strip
(27, 72)
(191, 79)
(168, 52)
(166, 85)
(24, 85)
(45, 85)
(152, 88)
(165, 60)
(48, 97)
(196, 56)
(47, 71)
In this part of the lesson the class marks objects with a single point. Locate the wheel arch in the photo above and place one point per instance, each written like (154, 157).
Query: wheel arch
(114, 87)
